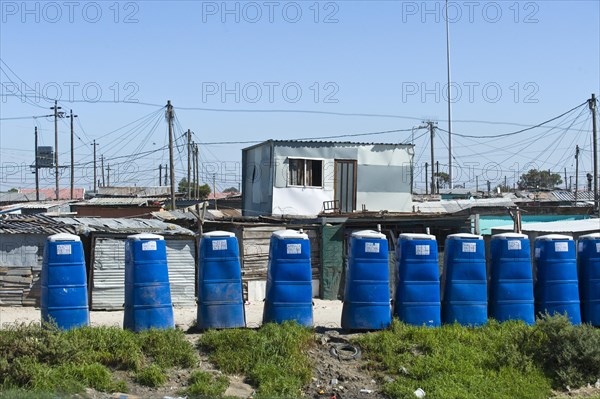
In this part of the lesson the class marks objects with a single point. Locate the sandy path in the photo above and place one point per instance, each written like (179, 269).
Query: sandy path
(325, 313)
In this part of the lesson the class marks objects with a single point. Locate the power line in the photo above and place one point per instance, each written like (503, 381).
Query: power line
(518, 131)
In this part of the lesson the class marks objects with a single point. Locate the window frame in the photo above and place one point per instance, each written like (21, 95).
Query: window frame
(304, 172)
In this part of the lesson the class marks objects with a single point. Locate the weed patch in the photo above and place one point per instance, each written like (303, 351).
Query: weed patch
(203, 384)
(44, 359)
(168, 348)
(454, 361)
(274, 358)
(152, 376)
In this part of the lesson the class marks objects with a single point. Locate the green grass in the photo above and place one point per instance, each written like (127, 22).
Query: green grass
(507, 360)
(204, 385)
(454, 362)
(273, 358)
(45, 359)
(152, 376)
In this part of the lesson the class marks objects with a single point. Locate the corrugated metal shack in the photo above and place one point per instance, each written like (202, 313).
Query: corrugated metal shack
(22, 241)
(22, 245)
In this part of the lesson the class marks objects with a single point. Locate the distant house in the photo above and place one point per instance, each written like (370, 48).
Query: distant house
(291, 177)
(118, 207)
(50, 193)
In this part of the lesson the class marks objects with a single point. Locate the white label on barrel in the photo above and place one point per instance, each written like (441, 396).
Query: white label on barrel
(422, 249)
(561, 247)
(219, 245)
(294, 249)
(64, 249)
(598, 247)
(372, 247)
(580, 247)
(469, 247)
(537, 252)
(514, 245)
(149, 246)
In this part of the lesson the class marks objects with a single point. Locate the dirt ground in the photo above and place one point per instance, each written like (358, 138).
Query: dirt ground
(325, 313)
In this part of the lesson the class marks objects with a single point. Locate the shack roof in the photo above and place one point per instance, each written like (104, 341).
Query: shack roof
(32, 224)
(42, 224)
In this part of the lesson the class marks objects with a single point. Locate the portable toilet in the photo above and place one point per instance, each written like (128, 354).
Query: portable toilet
(589, 277)
(147, 290)
(465, 280)
(557, 288)
(367, 290)
(418, 287)
(64, 298)
(289, 279)
(220, 298)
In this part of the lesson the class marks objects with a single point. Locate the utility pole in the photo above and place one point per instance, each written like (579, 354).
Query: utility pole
(56, 172)
(37, 168)
(592, 104)
(215, 189)
(166, 175)
(437, 181)
(197, 180)
(171, 162)
(506, 183)
(189, 163)
(432, 136)
(108, 175)
(566, 186)
(477, 184)
(570, 183)
(102, 166)
(160, 174)
(451, 185)
(72, 155)
(94, 144)
(426, 180)
(576, 172)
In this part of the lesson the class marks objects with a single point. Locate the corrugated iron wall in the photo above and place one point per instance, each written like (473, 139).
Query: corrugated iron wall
(20, 268)
(108, 272)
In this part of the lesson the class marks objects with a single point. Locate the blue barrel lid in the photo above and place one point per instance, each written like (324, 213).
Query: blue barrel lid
(369, 234)
(290, 234)
(63, 237)
(465, 236)
(416, 236)
(219, 233)
(507, 236)
(591, 236)
(145, 236)
(554, 237)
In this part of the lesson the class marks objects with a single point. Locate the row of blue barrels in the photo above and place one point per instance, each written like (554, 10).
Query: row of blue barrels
(464, 279)
(512, 295)
(366, 306)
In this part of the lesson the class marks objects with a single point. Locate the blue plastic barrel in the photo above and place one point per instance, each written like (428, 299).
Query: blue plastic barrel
(418, 287)
(367, 290)
(289, 279)
(147, 290)
(64, 284)
(589, 277)
(220, 298)
(557, 288)
(511, 282)
(465, 280)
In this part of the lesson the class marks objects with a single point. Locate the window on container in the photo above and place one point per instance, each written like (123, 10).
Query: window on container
(306, 172)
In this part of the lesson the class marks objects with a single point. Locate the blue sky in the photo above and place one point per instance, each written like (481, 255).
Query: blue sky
(514, 62)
